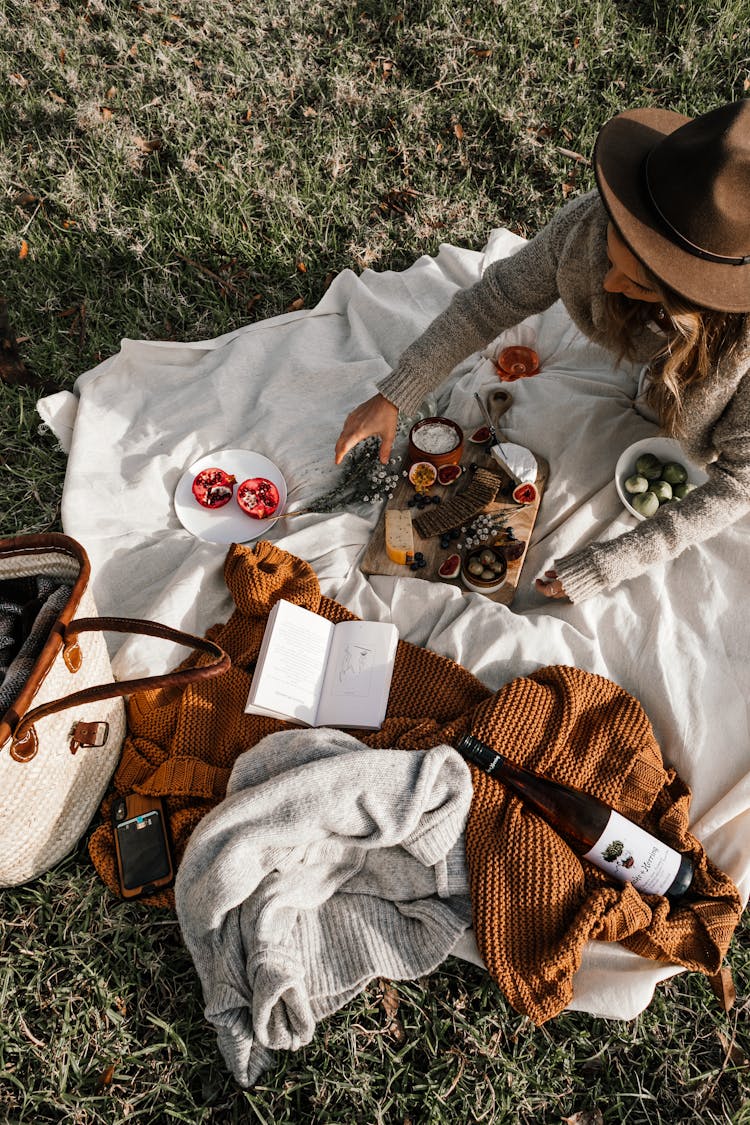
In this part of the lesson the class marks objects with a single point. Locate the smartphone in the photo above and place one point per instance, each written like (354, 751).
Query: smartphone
(144, 855)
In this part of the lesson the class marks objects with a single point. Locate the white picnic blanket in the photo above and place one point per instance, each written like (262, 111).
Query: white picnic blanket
(678, 638)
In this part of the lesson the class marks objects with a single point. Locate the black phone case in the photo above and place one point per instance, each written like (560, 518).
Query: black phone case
(142, 846)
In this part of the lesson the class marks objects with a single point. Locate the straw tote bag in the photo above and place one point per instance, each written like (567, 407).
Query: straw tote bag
(61, 736)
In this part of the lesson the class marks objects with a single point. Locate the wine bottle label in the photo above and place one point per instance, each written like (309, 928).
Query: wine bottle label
(633, 855)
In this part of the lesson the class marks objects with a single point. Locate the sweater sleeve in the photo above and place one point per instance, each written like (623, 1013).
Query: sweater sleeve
(510, 290)
(704, 512)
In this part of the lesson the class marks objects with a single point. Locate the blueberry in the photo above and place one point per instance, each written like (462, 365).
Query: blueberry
(418, 556)
(436, 499)
(455, 533)
(422, 562)
(414, 566)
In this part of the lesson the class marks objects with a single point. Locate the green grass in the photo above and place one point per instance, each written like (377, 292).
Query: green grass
(177, 170)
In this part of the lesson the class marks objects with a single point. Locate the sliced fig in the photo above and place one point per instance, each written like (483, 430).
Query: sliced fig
(213, 488)
(258, 497)
(525, 494)
(481, 436)
(451, 567)
(514, 550)
(448, 473)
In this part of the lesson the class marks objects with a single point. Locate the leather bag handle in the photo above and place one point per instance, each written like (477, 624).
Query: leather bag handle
(180, 678)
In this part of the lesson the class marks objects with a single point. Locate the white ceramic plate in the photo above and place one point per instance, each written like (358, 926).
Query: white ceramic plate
(228, 524)
(666, 449)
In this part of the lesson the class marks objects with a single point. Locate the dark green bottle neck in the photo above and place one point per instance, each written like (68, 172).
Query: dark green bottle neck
(481, 755)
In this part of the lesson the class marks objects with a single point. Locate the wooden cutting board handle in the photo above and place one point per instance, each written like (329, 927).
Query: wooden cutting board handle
(498, 401)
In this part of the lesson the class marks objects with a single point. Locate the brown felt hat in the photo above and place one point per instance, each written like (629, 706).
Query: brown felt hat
(678, 191)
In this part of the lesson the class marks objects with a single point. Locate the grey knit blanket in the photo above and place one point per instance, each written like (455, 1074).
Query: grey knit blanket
(328, 864)
(29, 608)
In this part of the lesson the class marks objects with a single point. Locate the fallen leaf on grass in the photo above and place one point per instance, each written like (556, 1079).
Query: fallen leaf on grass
(569, 185)
(148, 146)
(733, 1055)
(105, 1078)
(23, 252)
(395, 202)
(384, 65)
(28, 1034)
(390, 1002)
(297, 304)
(12, 368)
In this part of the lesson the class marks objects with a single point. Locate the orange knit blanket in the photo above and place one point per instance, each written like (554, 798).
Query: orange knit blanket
(535, 904)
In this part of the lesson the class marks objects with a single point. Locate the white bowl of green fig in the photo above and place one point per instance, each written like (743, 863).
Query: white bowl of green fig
(654, 472)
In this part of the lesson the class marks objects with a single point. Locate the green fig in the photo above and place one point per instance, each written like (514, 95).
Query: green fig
(662, 490)
(648, 466)
(674, 472)
(636, 484)
(646, 503)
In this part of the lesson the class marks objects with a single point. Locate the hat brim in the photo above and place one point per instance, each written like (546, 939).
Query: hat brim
(621, 149)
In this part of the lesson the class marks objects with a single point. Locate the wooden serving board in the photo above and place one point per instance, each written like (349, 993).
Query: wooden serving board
(520, 517)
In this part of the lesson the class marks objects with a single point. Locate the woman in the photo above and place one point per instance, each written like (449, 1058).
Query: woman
(655, 266)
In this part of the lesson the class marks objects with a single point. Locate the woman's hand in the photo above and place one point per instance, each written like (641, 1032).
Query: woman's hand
(376, 416)
(550, 585)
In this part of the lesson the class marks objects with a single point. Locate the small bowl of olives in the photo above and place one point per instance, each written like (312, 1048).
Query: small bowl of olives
(484, 569)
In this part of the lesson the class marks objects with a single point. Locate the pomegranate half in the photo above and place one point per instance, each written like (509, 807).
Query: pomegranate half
(213, 488)
(258, 497)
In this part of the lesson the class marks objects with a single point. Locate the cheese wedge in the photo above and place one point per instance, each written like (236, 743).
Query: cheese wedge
(518, 459)
(399, 537)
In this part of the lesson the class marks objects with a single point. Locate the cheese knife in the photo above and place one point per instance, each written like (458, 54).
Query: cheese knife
(496, 449)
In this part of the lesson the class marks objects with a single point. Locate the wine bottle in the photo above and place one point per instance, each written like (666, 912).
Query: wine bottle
(592, 828)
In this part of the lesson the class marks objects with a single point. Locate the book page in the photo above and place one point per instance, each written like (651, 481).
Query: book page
(291, 664)
(358, 677)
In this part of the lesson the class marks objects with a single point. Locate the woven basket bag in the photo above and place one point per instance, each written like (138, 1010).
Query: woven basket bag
(61, 738)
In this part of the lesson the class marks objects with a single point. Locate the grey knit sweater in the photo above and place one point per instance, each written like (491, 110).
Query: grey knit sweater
(328, 864)
(567, 260)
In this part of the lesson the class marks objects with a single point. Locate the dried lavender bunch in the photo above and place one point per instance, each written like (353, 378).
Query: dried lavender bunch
(364, 479)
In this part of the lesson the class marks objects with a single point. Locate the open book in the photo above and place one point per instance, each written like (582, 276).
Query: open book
(320, 674)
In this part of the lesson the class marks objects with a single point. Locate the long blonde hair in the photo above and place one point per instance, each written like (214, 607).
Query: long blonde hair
(696, 339)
